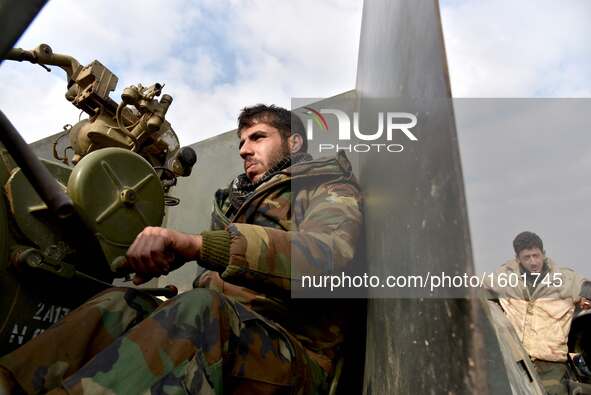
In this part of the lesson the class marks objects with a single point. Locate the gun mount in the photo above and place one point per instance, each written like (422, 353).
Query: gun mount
(66, 226)
(137, 124)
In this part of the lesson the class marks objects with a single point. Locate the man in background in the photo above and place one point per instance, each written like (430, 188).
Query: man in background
(541, 306)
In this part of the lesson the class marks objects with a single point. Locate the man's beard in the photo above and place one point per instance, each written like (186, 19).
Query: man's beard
(242, 187)
(274, 162)
(281, 157)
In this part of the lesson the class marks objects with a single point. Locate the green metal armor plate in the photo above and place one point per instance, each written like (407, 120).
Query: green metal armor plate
(117, 194)
(31, 214)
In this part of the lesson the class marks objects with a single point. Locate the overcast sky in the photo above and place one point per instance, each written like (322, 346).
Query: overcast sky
(216, 56)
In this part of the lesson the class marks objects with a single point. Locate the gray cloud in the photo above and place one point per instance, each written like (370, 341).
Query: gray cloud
(524, 48)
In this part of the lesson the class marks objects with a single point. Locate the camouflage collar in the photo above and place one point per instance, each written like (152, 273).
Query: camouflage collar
(239, 192)
(338, 165)
(242, 188)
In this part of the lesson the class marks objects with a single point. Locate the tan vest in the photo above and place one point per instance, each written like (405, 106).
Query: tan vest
(542, 319)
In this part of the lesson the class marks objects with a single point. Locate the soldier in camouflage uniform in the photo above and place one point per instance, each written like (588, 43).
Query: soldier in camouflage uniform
(239, 331)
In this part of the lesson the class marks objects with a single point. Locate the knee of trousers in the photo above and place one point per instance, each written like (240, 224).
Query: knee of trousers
(198, 298)
(198, 302)
(124, 300)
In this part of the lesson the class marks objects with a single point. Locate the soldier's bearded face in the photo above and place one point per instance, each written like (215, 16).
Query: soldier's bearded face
(531, 259)
(261, 147)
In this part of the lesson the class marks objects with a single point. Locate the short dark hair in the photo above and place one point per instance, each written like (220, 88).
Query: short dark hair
(527, 240)
(284, 120)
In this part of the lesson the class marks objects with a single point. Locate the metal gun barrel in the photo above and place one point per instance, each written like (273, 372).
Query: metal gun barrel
(20, 55)
(44, 55)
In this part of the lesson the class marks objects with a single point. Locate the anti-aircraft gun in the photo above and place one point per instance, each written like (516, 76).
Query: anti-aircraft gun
(65, 227)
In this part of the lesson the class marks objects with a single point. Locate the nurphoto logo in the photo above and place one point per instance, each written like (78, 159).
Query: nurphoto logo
(396, 124)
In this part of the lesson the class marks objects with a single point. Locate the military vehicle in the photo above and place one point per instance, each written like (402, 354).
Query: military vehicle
(65, 225)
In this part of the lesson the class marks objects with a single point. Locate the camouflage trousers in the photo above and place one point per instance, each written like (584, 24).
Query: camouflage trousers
(552, 374)
(200, 342)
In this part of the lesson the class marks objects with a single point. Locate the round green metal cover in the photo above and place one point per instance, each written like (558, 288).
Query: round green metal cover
(117, 193)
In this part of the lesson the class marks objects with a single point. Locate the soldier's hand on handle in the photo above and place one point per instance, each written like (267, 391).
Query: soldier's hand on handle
(157, 251)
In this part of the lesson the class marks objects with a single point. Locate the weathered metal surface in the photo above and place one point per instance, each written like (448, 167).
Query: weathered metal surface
(520, 369)
(416, 218)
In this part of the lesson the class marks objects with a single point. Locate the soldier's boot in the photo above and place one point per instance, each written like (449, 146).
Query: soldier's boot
(42, 363)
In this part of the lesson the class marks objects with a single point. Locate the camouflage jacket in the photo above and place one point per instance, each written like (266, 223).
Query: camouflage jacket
(304, 220)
